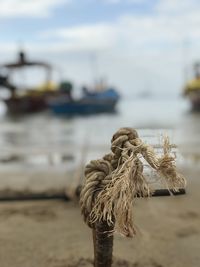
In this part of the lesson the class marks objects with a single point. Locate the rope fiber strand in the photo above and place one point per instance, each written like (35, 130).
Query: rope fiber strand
(113, 182)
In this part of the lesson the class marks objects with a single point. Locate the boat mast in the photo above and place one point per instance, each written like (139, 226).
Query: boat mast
(197, 69)
(185, 58)
(94, 67)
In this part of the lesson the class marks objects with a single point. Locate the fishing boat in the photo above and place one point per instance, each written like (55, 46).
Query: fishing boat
(30, 99)
(103, 101)
(192, 89)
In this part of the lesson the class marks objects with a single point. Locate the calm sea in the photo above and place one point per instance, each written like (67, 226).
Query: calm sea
(44, 133)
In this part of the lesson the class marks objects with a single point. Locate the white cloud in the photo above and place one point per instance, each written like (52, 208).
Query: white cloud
(28, 8)
(183, 16)
(85, 37)
(131, 32)
(125, 1)
(175, 7)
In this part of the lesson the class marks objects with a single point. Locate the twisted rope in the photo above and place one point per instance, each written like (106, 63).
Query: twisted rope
(111, 183)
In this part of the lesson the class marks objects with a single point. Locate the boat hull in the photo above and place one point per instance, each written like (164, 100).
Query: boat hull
(82, 107)
(30, 103)
(91, 103)
(194, 98)
(25, 104)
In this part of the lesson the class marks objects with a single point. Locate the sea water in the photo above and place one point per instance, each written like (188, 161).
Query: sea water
(41, 137)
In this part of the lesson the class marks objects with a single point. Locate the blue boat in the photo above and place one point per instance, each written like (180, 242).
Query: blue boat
(91, 103)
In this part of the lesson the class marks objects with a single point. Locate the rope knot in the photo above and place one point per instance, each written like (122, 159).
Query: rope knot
(120, 138)
(113, 182)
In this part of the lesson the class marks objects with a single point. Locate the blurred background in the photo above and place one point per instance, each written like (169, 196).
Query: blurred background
(73, 72)
(94, 66)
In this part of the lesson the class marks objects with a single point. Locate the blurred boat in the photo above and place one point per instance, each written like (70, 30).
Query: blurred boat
(27, 103)
(31, 99)
(192, 89)
(103, 101)
(37, 99)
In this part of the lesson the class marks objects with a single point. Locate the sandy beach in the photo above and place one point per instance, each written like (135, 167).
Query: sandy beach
(52, 233)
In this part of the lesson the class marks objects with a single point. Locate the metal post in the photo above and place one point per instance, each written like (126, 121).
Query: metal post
(103, 244)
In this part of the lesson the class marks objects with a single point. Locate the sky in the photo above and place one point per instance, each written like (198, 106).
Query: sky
(136, 45)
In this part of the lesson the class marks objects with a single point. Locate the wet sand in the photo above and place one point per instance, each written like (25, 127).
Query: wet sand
(52, 233)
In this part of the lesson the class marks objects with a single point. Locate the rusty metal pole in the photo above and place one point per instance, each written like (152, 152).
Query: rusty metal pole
(103, 244)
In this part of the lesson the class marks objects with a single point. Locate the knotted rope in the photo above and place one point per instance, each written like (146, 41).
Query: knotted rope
(113, 182)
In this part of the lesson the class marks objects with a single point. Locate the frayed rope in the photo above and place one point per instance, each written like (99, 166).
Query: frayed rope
(112, 183)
